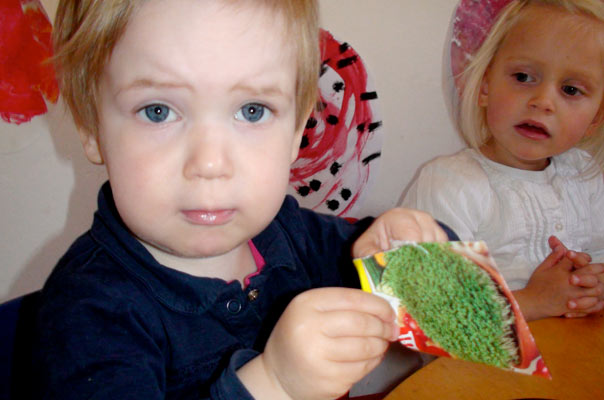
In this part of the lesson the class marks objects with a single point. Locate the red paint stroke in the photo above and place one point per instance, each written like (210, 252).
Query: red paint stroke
(472, 23)
(25, 44)
(328, 145)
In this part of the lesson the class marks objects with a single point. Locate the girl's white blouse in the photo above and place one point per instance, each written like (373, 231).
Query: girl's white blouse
(515, 211)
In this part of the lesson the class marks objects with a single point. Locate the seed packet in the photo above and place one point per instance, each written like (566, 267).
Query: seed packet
(451, 301)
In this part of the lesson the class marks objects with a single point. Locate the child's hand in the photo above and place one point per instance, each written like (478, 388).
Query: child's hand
(585, 275)
(326, 340)
(552, 291)
(590, 276)
(397, 224)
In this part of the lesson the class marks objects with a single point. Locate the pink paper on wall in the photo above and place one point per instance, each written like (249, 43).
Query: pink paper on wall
(25, 43)
(472, 22)
(340, 151)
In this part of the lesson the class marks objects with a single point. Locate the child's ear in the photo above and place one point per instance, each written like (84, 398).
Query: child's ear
(483, 97)
(91, 146)
(296, 142)
(298, 136)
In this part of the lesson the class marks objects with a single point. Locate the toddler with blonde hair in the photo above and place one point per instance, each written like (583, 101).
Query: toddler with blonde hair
(199, 277)
(530, 184)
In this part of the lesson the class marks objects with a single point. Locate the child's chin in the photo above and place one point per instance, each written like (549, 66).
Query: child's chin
(207, 251)
(189, 250)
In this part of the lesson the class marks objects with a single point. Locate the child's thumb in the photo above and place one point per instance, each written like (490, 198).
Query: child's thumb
(554, 258)
(554, 243)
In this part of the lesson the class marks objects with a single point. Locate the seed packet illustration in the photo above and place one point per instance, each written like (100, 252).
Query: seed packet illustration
(451, 301)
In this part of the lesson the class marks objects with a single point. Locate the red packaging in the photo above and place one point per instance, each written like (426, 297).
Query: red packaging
(451, 301)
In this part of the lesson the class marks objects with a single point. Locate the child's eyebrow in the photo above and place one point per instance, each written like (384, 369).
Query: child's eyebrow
(587, 77)
(150, 83)
(268, 90)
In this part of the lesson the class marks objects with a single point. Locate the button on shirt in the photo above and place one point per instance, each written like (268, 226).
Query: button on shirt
(116, 324)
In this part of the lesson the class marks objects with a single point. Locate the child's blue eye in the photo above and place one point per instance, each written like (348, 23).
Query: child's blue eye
(571, 90)
(252, 112)
(157, 113)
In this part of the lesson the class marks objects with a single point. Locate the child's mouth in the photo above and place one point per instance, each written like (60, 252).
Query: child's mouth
(209, 218)
(532, 131)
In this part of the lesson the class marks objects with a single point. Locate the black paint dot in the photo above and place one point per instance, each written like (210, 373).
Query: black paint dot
(303, 191)
(361, 127)
(315, 185)
(332, 120)
(345, 193)
(368, 96)
(346, 62)
(371, 157)
(343, 47)
(374, 125)
(311, 123)
(338, 86)
(335, 168)
(304, 142)
(333, 204)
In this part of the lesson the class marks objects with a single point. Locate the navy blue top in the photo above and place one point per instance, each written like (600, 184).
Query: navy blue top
(115, 324)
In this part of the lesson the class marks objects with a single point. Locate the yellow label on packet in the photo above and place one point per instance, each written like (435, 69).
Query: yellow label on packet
(358, 263)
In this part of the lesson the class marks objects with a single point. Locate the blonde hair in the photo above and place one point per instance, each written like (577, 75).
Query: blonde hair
(471, 118)
(86, 32)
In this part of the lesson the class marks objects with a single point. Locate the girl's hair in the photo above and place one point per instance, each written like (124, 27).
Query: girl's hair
(86, 32)
(470, 117)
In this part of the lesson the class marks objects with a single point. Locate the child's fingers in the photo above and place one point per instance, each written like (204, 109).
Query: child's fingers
(597, 307)
(579, 259)
(591, 284)
(580, 312)
(574, 315)
(342, 299)
(430, 231)
(555, 243)
(354, 349)
(398, 224)
(585, 280)
(354, 324)
(555, 258)
(583, 304)
(595, 269)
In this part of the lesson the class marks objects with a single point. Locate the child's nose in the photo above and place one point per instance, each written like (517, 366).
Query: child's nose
(207, 154)
(542, 98)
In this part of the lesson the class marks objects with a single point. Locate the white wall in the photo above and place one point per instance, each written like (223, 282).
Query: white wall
(48, 189)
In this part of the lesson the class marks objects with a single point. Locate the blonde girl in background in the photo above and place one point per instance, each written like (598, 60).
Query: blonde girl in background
(530, 184)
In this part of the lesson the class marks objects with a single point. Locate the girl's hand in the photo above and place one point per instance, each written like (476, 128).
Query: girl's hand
(579, 259)
(590, 277)
(326, 340)
(585, 275)
(551, 290)
(397, 224)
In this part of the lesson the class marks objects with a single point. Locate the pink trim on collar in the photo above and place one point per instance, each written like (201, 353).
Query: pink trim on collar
(258, 259)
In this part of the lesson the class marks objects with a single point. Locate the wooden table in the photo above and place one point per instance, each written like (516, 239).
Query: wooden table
(573, 350)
